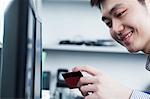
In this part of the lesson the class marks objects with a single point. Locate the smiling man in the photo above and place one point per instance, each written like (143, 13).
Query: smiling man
(129, 22)
(129, 25)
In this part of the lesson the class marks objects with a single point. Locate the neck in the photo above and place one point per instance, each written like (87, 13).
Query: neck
(146, 50)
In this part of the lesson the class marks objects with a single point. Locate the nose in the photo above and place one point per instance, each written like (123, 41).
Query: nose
(117, 26)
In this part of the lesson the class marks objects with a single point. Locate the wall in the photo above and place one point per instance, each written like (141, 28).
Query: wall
(129, 69)
(74, 20)
(1, 22)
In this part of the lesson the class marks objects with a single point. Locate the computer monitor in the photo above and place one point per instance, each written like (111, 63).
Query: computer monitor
(21, 69)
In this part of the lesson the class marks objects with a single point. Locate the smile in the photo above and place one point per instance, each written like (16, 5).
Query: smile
(125, 38)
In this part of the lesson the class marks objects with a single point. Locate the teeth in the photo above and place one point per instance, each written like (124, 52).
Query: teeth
(128, 35)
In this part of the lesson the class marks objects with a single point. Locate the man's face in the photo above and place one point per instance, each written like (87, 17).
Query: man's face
(129, 23)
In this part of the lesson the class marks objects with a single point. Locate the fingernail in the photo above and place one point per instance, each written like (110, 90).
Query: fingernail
(75, 68)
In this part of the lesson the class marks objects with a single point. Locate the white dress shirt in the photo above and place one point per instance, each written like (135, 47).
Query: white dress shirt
(139, 94)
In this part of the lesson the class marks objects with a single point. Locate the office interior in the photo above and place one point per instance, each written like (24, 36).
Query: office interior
(74, 35)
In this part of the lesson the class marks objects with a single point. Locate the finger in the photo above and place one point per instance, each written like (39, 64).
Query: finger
(91, 70)
(83, 93)
(86, 81)
(87, 88)
(92, 96)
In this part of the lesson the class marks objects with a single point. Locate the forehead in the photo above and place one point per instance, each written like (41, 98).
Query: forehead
(107, 5)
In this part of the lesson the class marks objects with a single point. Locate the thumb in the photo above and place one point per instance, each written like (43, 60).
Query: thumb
(91, 70)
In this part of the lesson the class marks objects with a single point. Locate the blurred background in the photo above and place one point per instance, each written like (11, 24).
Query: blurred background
(74, 35)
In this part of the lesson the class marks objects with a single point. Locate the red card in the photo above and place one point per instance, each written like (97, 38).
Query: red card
(72, 78)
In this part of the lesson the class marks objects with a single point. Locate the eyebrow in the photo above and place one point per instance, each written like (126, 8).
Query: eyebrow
(114, 8)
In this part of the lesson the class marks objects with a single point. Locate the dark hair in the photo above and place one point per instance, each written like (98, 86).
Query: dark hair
(99, 2)
(96, 3)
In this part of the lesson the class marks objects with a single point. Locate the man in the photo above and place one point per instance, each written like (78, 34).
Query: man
(129, 25)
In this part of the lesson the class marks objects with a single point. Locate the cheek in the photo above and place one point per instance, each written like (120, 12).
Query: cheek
(140, 26)
(113, 35)
(142, 30)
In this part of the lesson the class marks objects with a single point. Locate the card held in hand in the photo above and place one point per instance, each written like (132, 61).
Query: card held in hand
(72, 78)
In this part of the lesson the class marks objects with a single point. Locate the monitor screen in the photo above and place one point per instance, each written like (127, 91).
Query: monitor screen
(21, 69)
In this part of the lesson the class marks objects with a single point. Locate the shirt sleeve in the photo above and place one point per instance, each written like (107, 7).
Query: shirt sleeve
(139, 95)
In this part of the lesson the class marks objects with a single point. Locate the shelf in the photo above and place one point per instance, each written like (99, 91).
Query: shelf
(111, 49)
(68, 0)
(47, 2)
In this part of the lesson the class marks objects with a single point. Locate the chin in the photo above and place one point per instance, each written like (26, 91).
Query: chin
(132, 50)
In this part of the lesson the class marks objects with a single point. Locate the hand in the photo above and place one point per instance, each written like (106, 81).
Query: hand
(100, 85)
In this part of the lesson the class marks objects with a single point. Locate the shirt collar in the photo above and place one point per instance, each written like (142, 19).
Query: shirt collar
(148, 63)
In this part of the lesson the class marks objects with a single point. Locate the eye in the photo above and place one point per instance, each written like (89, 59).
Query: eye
(120, 13)
(107, 21)
(109, 24)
